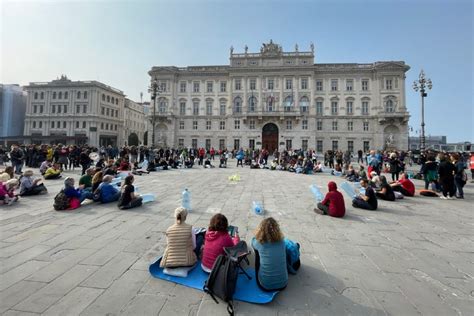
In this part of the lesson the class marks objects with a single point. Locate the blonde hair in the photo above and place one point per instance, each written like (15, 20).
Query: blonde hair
(268, 231)
(4, 177)
(12, 183)
(180, 215)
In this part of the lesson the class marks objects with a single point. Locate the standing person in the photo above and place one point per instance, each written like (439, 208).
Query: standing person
(333, 203)
(471, 166)
(430, 171)
(270, 256)
(240, 157)
(360, 155)
(63, 154)
(16, 156)
(368, 201)
(446, 177)
(460, 176)
(128, 198)
(395, 166)
(85, 161)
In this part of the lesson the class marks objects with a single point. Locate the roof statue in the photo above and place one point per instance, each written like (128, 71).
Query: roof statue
(246, 49)
(296, 47)
(312, 47)
(231, 50)
(271, 49)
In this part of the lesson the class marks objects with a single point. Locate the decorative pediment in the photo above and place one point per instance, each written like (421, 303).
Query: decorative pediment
(391, 65)
(271, 49)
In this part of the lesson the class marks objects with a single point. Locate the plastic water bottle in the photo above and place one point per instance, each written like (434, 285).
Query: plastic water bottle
(317, 193)
(257, 208)
(186, 203)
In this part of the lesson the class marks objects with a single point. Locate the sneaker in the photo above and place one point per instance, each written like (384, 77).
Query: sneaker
(443, 197)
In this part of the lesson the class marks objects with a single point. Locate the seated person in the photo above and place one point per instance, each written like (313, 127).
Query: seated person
(71, 192)
(97, 180)
(308, 167)
(151, 166)
(368, 201)
(222, 162)
(31, 186)
(4, 177)
(100, 164)
(137, 170)
(124, 165)
(53, 172)
(375, 181)
(254, 165)
(10, 172)
(180, 244)
(274, 164)
(111, 171)
(163, 164)
(217, 237)
(128, 199)
(188, 163)
(386, 191)
(45, 165)
(207, 163)
(270, 256)
(333, 203)
(85, 182)
(108, 192)
(362, 173)
(318, 167)
(7, 192)
(404, 186)
(338, 168)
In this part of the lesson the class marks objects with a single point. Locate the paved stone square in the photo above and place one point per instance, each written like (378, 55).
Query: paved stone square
(411, 257)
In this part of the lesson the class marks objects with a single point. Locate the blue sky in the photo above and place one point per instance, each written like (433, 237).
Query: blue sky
(117, 42)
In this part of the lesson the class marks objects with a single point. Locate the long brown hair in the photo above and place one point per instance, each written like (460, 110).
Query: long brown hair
(268, 231)
(218, 223)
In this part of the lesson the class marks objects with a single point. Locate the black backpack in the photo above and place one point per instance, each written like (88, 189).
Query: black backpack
(61, 201)
(223, 278)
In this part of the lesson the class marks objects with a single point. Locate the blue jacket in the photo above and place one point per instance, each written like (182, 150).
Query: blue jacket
(108, 192)
(71, 192)
(273, 273)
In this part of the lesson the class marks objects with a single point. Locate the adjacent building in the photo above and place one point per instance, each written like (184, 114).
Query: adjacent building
(74, 112)
(12, 113)
(276, 100)
(134, 123)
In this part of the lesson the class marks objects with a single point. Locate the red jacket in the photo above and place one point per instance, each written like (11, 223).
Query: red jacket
(408, 185)
(335, 200)
(214, 243)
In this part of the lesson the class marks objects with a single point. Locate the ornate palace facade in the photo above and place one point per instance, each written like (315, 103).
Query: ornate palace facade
(277, 100)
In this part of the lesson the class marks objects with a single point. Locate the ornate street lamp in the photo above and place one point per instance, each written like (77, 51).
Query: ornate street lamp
(155, 91)
(421, 84)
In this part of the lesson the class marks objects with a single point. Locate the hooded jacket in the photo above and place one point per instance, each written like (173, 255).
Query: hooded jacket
(335, 201)
(214, 243)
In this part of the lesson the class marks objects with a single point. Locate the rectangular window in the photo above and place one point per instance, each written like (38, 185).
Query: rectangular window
(181, 142)
(196, 108)
(319, 146)
(334, 125)
(53, 108)
(41, 124)
(34, 124)
(182, 108)
(116, 113)
(52, 124)
(107, 111)
(66, 95)
(319, 85)
(366, 146)
(236, 144)
(208, 107)
(195, 86)
(60, 95)
(194, 143)
(59, 108)
(388, 84)
(65, 108)
(289, 124)
(349, 107)
(350, 126)
(35, 108)
(366, 126)
(64, 124)
(102, 111)
(252, 124)
(182, 87)
(304, 124)
(335, 145)
(237, 124)
(78, 109)
(208, 125)
(304, 83)
(222, 108)
(270, 84)
(107, 126)
(209, 86)
(85, 94)
(349, 84)
(41, 109)
(365, 107)
(221, 144)
(195, 125)
(252, 143)
(208, 144)
(319, 108)
(77, 124)
(289, 144)
(365, 85)
(84, 108)
(162, 86)
(101, 125)
(84, 124)
(289, 84)
(181, 124)
(253, 84)
(333, 107)
(238, 84)
(222, 125)
(333, 84)
(350, 146)
(42, 95)
(223, 86)
(304, 144)
(319, 125)
(54, 95)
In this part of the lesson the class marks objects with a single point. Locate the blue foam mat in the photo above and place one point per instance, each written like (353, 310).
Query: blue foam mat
(246, 290)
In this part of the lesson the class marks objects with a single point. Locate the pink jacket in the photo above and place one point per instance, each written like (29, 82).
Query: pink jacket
(4, 191)
(214, 243)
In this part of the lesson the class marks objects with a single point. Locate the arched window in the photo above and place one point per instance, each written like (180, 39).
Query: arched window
(237, 105)
(304, 104)
(252, 103)
(389, 106)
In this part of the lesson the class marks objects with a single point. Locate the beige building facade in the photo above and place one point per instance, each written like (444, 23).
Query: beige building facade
(282, 100)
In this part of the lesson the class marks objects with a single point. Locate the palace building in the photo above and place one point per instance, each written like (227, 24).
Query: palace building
(281, 100)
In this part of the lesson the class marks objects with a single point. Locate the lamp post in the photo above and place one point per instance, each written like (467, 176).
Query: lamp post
(153, 89)
(421, 84)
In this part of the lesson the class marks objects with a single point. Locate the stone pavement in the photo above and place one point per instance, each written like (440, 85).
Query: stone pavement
(411, 257)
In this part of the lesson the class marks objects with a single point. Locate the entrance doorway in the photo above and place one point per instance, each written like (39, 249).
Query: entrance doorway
(270, 137)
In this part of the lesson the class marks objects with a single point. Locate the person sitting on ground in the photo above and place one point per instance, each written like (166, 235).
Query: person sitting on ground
(368, 201)
(4, 177)
(180, 243)
(318, 167)
(71, 192)
(207, 163)
(333, 203)
(108, 192)
(270, 256)
(137, 170)
(97, 180)
(110, 171)
(362, 173)
(128, 199)
(7, 192)
(216, 239)
(375, 181)
(351, 174)
(124, 165)
(53, 172)
(254, 165)
(274, 164)
(386, 191)
(10, 171)
(404, 186)
(222, 161)
(31, 186)
(308, 167)
(85, 182)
